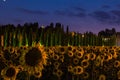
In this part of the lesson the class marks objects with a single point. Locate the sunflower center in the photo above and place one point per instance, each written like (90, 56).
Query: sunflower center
(69, 48)
(7, 55)
(62, 49)
(79, 54)
(79, 69)
(33, 57)
(10, 72)
(84, 63)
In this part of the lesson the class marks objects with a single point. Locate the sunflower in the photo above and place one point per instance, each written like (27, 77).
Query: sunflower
(107, 58)
(102, 77)
(115, 55)
(56, 57)
(61, 58)
(79, 54)
(74, 71)
(11, 49)
(34, 59)
(70, 48)
(6, 54)
(70, 68)
(77, 70)
(10, 72)
(85, 75)
(92, 56)
(118, 74)
(70, 54)
(62, 49)
(50, 52)
(57, 72)
(56, 64)
(75, 61)
(99, 60)
(37, 74)
(116, 63)
(84, 63)
(86, 56)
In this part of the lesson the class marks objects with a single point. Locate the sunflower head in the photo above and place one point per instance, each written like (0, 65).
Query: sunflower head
(76, 61)
(102, 77)
(84, 63)
(10, 72)
(85, 75)
(118, 74)
(117, 63)
(77, 70)
(70, 54)
(70, 68)
(34, 56)
(92, 56)
(34, 60)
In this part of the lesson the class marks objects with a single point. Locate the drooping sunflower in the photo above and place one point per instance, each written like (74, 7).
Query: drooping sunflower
(34, 59)
(10, 72)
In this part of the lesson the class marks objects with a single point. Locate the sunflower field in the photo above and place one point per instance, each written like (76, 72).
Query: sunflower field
(31, 53)
(60, 63)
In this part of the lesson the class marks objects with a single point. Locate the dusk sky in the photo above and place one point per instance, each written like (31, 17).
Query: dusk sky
(79, 15)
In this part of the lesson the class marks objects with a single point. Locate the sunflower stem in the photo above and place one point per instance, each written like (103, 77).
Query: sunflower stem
(73, 77)
(78, 77)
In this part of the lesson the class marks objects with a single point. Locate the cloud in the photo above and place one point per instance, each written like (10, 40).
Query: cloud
(40, 12)
(60, 12)
(118, 6)
(106, 6)
(17, 20)
(101, 15)
(70, 13)
(111, 17)
(116, 12)
(79, 9)
(80, 14)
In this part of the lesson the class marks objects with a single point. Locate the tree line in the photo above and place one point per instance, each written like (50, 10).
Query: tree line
(52, 35)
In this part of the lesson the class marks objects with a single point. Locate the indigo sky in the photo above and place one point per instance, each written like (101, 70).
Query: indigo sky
(79, 15)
